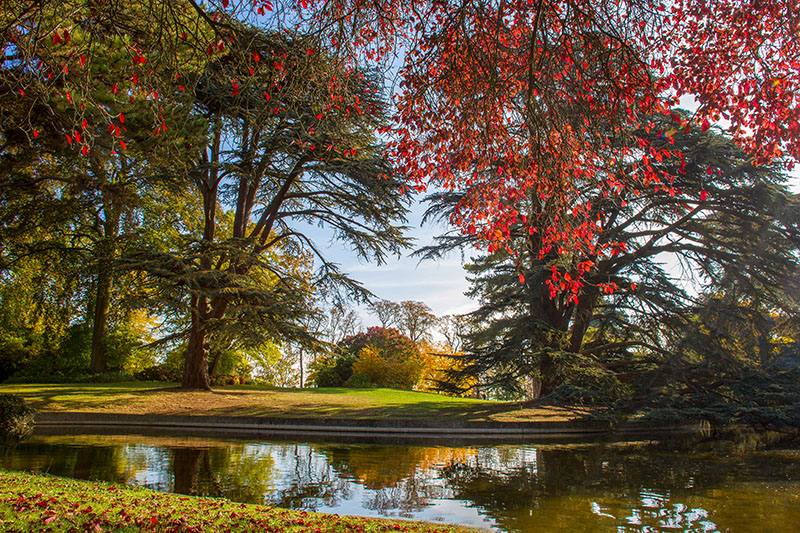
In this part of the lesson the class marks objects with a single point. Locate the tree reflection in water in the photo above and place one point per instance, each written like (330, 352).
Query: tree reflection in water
(592, 487)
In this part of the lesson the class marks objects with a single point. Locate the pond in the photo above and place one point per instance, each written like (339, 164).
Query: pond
(600, 486)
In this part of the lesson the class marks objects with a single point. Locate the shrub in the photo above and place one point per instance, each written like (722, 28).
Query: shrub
(333, 371)
(16, 418)
(360, 381)
(382, 369)
(379, 357)
(229, 379)
(161, 372)
(14, 354)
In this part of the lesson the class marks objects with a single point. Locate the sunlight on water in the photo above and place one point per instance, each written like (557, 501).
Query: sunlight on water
(642, 487)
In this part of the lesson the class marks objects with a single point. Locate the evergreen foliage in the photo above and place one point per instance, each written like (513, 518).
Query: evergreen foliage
(697, 283)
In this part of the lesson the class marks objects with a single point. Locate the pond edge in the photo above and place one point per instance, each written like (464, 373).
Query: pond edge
(395, 428)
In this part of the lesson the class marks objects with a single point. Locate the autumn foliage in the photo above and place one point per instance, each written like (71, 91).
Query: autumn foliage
(516, 102)
(528, 109)
(511, 101)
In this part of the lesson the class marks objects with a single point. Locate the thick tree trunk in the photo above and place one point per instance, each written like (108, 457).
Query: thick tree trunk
(106, 251)
(583, 317)
(549, 380)
(195, 369)
(100, 325)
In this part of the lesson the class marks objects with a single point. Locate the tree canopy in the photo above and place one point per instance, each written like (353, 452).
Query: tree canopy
(549, 125)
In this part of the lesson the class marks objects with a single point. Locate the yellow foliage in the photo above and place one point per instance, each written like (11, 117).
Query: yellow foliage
(383, 371)
(438, 360)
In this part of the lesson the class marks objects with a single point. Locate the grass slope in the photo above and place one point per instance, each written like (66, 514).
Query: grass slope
(166, 399)
(35, 502)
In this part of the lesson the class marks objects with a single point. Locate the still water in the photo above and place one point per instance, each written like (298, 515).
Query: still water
(640, 486)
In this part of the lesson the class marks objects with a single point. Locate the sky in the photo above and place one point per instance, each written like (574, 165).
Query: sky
(439, 284)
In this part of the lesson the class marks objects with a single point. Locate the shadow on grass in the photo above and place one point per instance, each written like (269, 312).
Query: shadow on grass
(422, 411)
(334, 403)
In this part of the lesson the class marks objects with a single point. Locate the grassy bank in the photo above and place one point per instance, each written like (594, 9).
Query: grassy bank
(34, 502)
(166, 399)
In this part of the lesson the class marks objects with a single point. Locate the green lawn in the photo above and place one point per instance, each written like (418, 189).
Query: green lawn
(243, 400)
(35, 502)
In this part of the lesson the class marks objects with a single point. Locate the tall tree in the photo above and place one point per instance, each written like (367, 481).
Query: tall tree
(291, 143)
(386, 311)
(95, 199)
(741, 226)
(512, 99)
(415, 320)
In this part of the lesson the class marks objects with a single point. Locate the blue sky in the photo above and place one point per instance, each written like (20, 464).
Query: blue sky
(439, 284)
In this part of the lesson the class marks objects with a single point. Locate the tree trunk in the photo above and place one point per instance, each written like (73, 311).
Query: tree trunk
(583, 317)
(106, 249)
(301, 367)
(195, 369)
(549, 379)
(100, 324)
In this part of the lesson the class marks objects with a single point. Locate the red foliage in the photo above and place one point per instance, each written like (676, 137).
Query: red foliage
(513, 102)
(523, 102)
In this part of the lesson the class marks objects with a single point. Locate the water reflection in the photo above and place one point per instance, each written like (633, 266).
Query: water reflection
(590, 487)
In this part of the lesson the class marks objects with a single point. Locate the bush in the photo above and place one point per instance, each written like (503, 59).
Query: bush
(333, 371)
(379, 357)
(16, 418)
(14, 354)
(381, 369)
(77, 376)
(229, 379)
(360, 381)
(162, 372)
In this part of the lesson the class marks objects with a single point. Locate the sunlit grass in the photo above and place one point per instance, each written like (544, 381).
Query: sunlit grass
(247, 400)
(35, 502)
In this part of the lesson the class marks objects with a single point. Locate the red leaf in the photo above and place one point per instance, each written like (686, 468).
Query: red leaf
(705, 125)
(121, 118)
(521, 278)
(703, 195)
